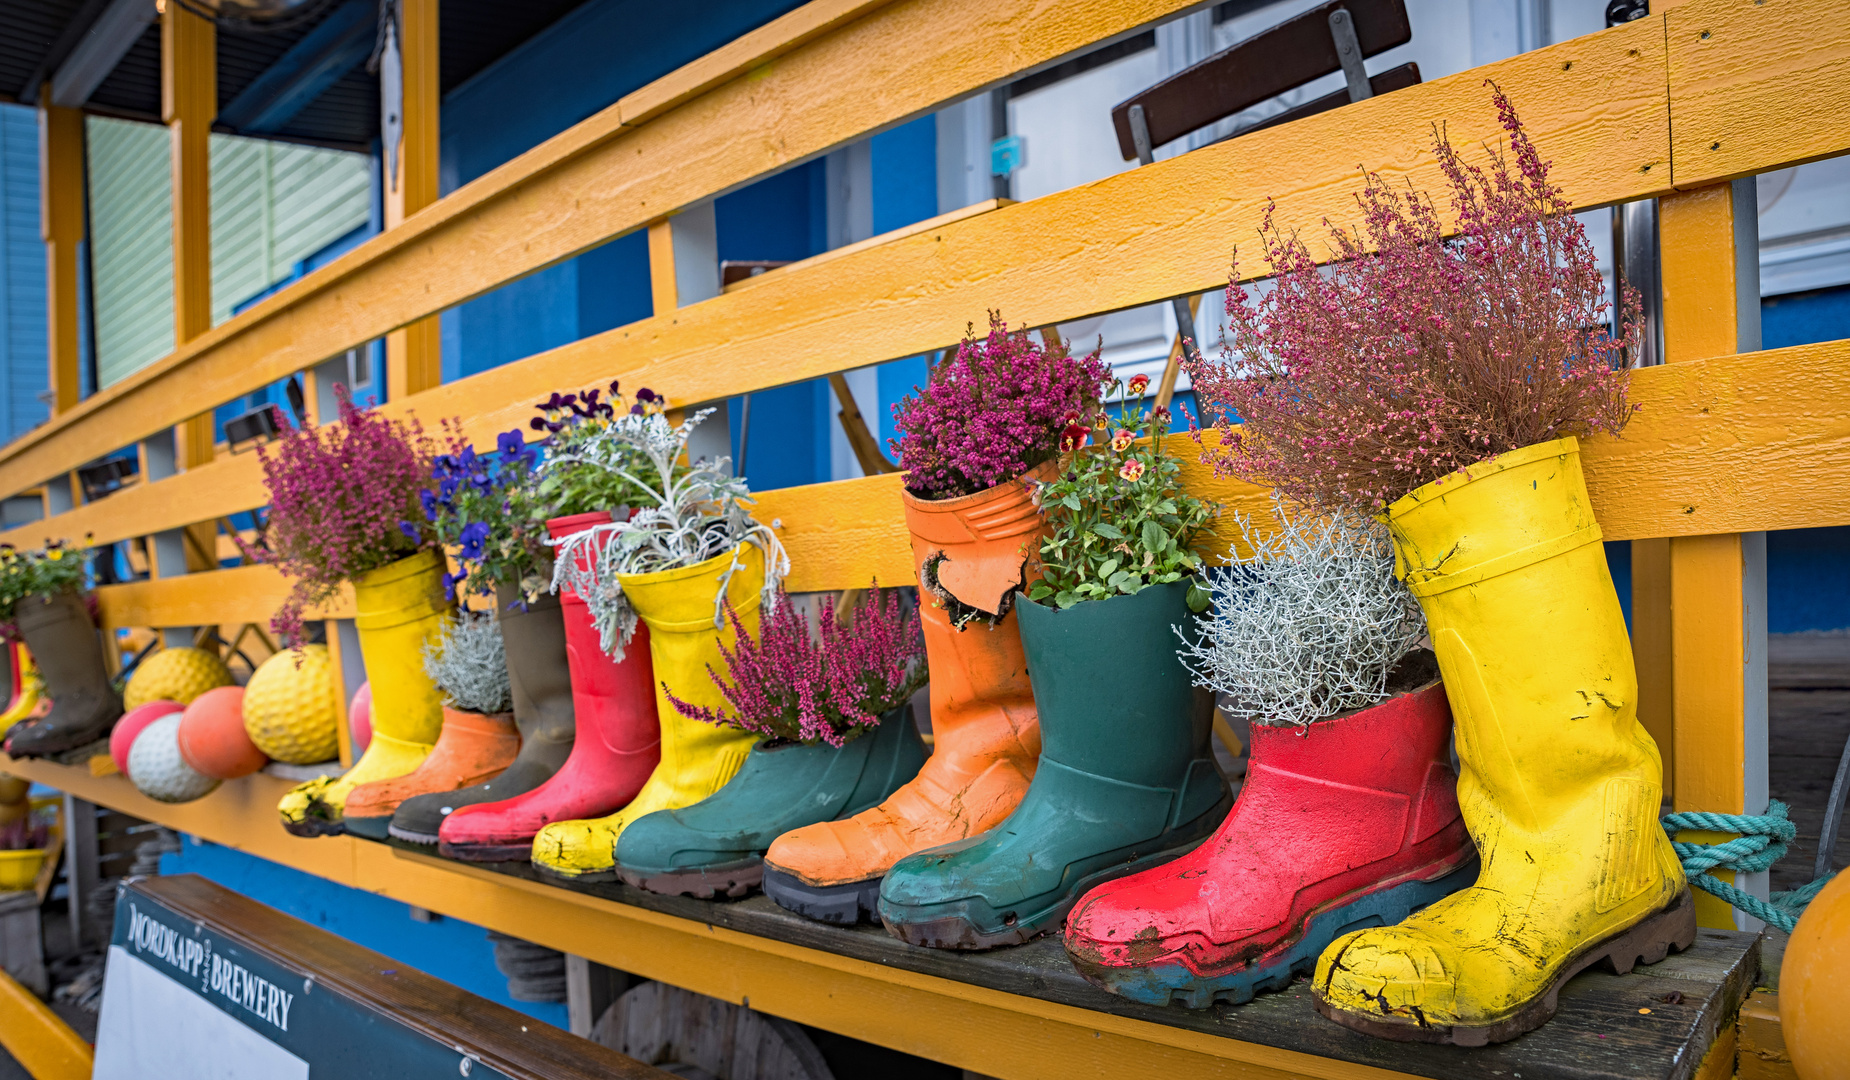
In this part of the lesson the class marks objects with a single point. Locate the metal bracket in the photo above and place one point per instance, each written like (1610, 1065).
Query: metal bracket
(1349, 51)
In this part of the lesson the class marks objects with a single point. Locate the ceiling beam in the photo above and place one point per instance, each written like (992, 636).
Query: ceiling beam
(342, 42)
(102, 47)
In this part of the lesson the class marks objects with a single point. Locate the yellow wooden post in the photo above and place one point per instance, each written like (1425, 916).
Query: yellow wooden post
(61, 223)
(1717, 583)
(414, 353)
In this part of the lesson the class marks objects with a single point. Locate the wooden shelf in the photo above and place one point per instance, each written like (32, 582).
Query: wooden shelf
(1012, 1013)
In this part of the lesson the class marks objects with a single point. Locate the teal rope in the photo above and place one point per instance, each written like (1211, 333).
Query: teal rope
(1762, 843)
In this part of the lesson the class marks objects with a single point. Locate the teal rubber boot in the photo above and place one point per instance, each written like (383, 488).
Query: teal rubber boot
(717, 845)
(1126, 780)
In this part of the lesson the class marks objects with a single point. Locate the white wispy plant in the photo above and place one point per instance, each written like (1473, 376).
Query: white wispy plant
(697, 510)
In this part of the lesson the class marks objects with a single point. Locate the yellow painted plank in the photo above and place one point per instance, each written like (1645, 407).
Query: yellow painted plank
(1003, 1035)
(246, 594)
(61, 226)
(587, 185)
(1752, 76)
(44, 1045)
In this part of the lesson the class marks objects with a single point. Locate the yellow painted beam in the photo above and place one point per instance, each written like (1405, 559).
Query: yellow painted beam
(61, 225)
(1715, 703)
(414, 353)
(244, 594)
(44, 1045)
(598, 180)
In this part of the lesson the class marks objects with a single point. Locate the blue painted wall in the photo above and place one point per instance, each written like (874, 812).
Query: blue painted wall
(449, 949)
(1808, 570)
(23, 358)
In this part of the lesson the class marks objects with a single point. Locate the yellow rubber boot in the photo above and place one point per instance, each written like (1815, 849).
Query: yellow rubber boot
(397, 608)
(1559, 784)
(697, 758)
(24, 700)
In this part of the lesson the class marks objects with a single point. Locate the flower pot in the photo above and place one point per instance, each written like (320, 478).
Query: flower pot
(971, 554)
(397, 609)
(20, 869)
(1353, 818)
(84, 705)
(1559, 784)
(696, 758)
(1126, 780)
(472, 749)
(615, 739)
(540, 682)
(717, 844)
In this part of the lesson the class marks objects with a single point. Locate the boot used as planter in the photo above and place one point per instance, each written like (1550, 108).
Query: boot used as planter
(472, 749)
(971, 553)
(540, 679)
(1126, 780)
(696, 758)
(84, 706)
(616, 746)
(1350, 820)
(397, 608)
(716, 846)
(1560, 786)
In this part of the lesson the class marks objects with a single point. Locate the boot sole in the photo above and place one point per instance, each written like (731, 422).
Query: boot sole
(372, 828)
(586, 877)
(410, 837)
(1648, 941)
(521, 852)
(1172, 983)
(732, 879)
(312, 827)
(838, 905)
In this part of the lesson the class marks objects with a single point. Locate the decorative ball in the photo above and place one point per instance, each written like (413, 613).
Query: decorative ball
(132, 724)
(1814, 985)
(289, 707)
(158, 770)
(13, 789)
(212, 736)
(178, 674)
(360, 718)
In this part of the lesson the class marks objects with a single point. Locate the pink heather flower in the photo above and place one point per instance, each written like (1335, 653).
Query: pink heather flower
(1131, 470)
(341, 498)
(830, 686)
(1412, 355)
(1001, 406)
(1122, 439)
(1139, 383)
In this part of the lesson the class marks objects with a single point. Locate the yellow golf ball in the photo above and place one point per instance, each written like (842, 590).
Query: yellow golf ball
(178, 674)
(289, 708)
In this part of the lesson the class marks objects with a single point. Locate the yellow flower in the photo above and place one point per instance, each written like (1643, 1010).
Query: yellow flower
(55, 556)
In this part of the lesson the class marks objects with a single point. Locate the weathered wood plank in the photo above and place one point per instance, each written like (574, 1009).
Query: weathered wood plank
(246, 594)
(592, 183)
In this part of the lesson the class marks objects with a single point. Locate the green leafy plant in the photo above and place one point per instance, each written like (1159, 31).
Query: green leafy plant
(1118, 518)
(469, 665)
(45, 571)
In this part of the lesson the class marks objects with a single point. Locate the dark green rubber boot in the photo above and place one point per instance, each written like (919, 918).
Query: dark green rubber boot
(717, 845)
(1126, 780)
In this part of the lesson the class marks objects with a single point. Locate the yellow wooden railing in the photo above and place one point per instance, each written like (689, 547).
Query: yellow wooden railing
(1728, 441)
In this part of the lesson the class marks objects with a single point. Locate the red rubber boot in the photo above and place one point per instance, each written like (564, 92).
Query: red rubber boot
(616, 746)
(1348, 823)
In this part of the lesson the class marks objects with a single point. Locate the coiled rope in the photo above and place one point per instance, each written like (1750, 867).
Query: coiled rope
(1762, 843)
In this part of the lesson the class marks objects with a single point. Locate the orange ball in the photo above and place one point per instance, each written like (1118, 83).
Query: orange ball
(1814, 986)
(212, 736)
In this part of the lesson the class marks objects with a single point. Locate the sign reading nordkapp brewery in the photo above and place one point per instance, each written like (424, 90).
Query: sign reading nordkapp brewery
(185, 999)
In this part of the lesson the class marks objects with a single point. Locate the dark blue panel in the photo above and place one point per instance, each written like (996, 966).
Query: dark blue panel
(773, 218)
(524, 317)
(905, 168)
(24, 373)
(339, 44)
(1804, 318)
(789, 435)
(1808, 579)
(456, 952)
(613, 285)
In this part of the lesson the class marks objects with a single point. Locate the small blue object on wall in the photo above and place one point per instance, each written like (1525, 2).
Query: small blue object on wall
(1007, 154)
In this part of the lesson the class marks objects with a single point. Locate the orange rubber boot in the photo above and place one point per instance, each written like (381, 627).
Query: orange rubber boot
(472, 749)
(971, 554)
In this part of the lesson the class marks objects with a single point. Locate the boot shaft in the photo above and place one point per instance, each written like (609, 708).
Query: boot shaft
(977, 549)
(1111, 693)
(63, 639)
(538, 673)
(398, 608)
(611, 701)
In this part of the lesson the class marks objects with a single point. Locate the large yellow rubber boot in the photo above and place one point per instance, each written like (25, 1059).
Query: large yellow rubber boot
(24, 689)
(1559, 784)
(697, 758)
(397, 608)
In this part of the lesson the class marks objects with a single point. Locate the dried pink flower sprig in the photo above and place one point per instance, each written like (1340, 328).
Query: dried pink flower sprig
(831, 687)
(1413, 355)
(992, 412)
(339, 498)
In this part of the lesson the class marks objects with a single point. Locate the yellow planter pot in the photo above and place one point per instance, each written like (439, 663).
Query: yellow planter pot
(397, 608)
(20, 869)
(697, 758)
(1559, 784)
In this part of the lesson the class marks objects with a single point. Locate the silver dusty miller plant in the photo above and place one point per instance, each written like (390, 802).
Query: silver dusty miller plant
(468, 664)
(1309, 626)
(696, 510)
